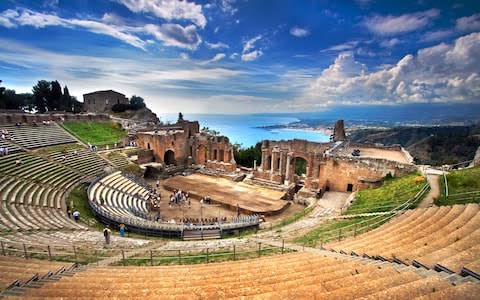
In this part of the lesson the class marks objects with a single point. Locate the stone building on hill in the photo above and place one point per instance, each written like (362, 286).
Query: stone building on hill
(102, 101)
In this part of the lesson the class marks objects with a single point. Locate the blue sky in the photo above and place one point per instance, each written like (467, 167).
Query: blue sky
(239, 56)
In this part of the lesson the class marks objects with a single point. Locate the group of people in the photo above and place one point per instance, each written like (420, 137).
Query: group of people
(179, 196)
(34, 124)
(154, 199)
(204, 221)
(6, 135)
(107, 233)
(75, 214)
(4, 151)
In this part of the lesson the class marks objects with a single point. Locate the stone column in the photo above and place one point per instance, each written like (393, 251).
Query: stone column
(272, 164)
(255, 165)
(280, 167)
(263, 163)
(287, 172)
(310, 166)
(316, 165)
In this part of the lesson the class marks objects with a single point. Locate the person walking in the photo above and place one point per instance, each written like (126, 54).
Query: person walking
(107, 233)
(122, 230)
(76, 216)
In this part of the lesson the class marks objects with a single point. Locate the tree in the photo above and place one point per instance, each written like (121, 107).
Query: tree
(137, 102)
(245, 157)
(41, 94)
(55, 97)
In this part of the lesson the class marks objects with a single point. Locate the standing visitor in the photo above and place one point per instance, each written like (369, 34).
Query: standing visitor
(76, 216)
(106, 233)
(122, 230)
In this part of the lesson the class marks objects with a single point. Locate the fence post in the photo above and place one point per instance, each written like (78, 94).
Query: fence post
(355, 230)
(339, 234)
(207, 255)
(151, 257)
(96, 256)
(75, 253)
(123, 257)
(321, 244)
(49, 252)
(25, 250)
(179, 257)
(3, 248)
(234, 253)
(283, 245)
(259, 249)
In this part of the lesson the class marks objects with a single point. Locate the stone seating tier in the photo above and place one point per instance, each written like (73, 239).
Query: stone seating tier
(288, 276)
(13, 269)
(446, 235)
(32, 137)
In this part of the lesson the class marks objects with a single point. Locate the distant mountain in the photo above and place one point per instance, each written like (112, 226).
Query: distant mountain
(428, 145)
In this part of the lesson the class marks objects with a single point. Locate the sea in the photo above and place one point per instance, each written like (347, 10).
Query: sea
(246, 130)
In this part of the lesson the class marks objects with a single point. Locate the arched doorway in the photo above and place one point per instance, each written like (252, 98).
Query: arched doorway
(169, 157)
(269, 163)
(300, 166)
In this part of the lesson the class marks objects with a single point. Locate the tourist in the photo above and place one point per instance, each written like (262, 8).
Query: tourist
(158, 184)
(5, 151)
(106, 233)
(76, 216)
(122, 230)
(2, 151)
(69, 212)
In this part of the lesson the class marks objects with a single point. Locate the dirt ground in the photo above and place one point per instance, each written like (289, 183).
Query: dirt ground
(377, 153)
(249, 198)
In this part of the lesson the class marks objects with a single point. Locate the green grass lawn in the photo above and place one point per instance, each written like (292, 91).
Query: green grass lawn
(96, 133)
(392, 193)
(77, 200)
(463, 187)
(332, 230)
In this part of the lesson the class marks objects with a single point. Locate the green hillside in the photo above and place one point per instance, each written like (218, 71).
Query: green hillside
(96, 133)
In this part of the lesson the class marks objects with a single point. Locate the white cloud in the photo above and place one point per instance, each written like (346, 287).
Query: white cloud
(249, 44)
(217, 57)
(342, 47)
(233, 55)
(442, 73)
(111, 25)
(299, 32)
(175, 35)
(184, 56)
(168, 9)
(391, 25)
(471, 23)
(6, 18)
(227, 7)
(437, 35)
(390, 43)
(51, 3)
(248, 54)
(111, 72)
(253, 55)
(218, 45)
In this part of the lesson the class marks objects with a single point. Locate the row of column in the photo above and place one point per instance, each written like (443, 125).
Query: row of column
(313, 164)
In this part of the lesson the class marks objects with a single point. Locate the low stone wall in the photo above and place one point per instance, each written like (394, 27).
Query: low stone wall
(26, 118)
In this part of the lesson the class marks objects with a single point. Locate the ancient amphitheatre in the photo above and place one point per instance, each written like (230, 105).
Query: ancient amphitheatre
(403, 252)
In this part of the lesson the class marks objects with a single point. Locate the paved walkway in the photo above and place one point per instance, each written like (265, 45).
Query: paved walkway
(433, 176)
(326, 207)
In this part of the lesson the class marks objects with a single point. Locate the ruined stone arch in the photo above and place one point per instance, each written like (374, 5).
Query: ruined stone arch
(169, 157)
(300, 165)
